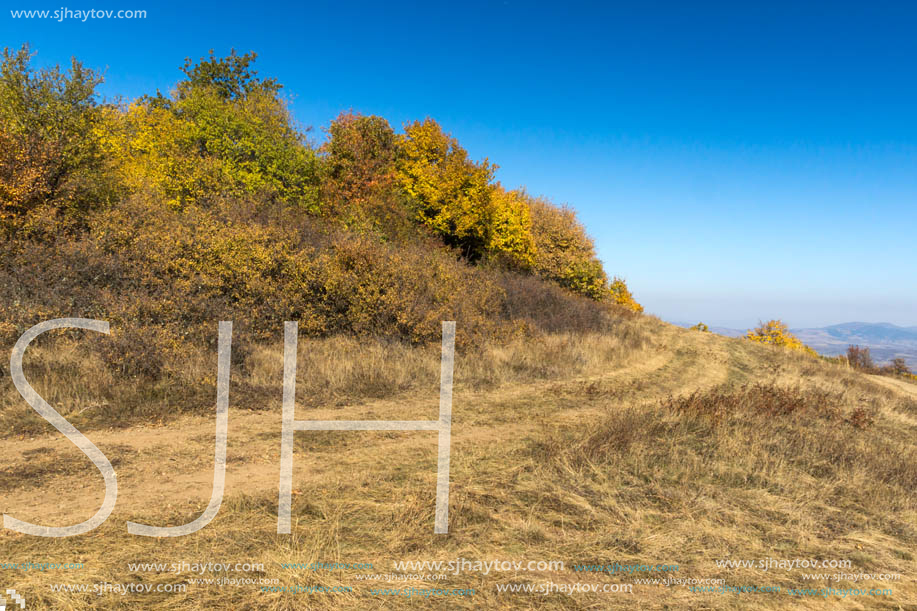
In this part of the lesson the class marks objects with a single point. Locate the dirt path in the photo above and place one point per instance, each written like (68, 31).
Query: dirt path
(170, 466)
(902, 386)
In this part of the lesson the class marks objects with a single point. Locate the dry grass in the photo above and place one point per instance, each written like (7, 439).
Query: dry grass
(647, 445)
(331, 371)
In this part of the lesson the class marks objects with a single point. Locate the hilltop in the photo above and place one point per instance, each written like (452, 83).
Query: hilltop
(583, 431)
(213, 196)
(166, 214)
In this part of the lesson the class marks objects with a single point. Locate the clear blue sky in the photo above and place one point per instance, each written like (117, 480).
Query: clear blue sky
(733, 163)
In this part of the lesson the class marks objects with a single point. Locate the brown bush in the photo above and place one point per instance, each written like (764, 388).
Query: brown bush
(859, 358)
(548, 308)
(897, 367)
(163, 278)
(722, 403)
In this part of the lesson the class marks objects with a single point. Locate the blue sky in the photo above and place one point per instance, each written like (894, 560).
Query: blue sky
(732, 163)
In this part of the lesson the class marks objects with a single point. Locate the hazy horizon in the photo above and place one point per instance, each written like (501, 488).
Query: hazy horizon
(717, 313)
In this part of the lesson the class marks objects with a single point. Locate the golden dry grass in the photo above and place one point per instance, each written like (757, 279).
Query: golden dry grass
(646, 445)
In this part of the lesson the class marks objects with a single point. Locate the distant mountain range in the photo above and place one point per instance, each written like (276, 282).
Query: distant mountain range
(884, 340)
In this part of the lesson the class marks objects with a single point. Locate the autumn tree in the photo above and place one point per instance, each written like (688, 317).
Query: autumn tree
(50, 153)
(24, 180)
(511, 239)
(564, 252)
(358, 176)
(223, 130)
(359, 158)
(228, 78)
(456, 198)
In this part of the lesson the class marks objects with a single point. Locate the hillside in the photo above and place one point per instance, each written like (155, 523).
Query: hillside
(583, 432)
(172, 211)
(166, 214)
(645, 445)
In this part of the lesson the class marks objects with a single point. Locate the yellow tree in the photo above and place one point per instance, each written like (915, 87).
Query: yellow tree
(456, 197)
(451, 192)
(622, 296)
(776, 333)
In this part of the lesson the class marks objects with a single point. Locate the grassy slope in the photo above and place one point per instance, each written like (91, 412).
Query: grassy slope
(563, 449)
